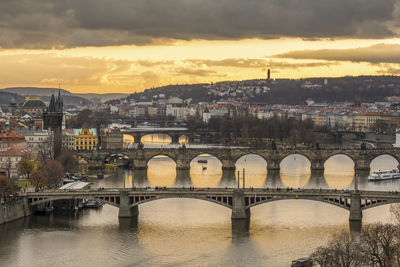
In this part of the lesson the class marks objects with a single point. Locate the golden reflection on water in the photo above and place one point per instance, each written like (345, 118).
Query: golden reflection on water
(339, 171)
(128, 140)
(172, 234)
(156, 139)
(206, 174)
(295, 171)
(255, 170)
(161, 171)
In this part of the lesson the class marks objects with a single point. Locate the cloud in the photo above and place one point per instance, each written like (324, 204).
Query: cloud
(72, 23)
(376, 54)
(257, 63)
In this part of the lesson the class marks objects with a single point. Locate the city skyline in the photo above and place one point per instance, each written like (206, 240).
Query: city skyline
(128, 46)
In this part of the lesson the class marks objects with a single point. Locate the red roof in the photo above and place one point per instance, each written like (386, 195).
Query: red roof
(10, 135)
(16, 152)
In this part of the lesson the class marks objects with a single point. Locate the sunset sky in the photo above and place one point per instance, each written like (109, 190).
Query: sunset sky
(103, 46)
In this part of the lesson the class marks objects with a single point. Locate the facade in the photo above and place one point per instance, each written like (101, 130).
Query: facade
(363, 122)
(112, 139)
(68, 139)
(85, 140)
(10, 157)
(36, 138)
(33, 106)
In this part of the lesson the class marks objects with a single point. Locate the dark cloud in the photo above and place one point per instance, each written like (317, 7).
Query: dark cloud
(376, 54)
(70, 23)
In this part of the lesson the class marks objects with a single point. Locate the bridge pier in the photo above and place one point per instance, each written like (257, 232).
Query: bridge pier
(355, 217)
(125, 211)
(182, 164)
(175, 138)
(139, 164)
(317, 167)
(362, 165)
(228, 179)
(183, 178)
(239, 209)
(273, 165)
(228, 164)
(240, 229)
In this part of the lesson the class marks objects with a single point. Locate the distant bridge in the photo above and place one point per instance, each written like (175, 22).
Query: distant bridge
(139, 158)
(238, 200)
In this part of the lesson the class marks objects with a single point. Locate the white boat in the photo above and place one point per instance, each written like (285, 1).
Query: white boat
(384, 175)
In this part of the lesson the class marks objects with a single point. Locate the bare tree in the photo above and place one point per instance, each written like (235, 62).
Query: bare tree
(53, 171)
(381, 244)
(342, 251)
(38, 179)
(6, 187)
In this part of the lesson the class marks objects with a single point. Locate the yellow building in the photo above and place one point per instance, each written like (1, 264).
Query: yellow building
(363, 122)
(85, 140)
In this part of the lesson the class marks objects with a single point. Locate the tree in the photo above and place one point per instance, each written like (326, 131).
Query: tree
(381, 245)
(26, 165)
(38, 179)
(342, 251)
(53, 171)
(68, 160)
(6, 187)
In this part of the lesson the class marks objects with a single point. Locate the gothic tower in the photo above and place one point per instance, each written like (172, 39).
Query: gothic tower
(52, 119)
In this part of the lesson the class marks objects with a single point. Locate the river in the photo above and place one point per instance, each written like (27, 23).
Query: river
(183, 232)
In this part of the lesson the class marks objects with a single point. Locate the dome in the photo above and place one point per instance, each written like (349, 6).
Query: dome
(33, 102)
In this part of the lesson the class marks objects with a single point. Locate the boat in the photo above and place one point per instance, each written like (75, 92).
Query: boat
(111, 165)
(384, 175)
(202, 161)
(93, 204)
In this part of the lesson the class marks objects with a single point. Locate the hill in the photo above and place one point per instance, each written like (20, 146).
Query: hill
(6, 97)
(283, 91)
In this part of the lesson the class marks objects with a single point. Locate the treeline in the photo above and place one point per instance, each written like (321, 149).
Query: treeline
(290, 129)
(378, 245)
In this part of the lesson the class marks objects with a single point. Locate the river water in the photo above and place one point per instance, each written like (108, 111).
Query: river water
(182, 232)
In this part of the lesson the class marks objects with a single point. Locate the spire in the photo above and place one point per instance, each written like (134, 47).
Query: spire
(59, 101)
(52, 105)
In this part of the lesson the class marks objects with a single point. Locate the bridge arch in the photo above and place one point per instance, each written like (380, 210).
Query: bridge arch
(294, 154)
(341, 203)
(330, 156)
(203, 154)
(224, 201)
(156, 138)
(388, 165)
(114, 203)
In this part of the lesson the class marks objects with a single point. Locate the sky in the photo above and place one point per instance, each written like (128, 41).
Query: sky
(126, 46)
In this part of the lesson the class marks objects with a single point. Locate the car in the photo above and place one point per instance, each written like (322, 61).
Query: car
(347, 191)
(298, 190)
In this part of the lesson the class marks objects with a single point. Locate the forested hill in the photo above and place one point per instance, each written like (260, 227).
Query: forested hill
(283, 91)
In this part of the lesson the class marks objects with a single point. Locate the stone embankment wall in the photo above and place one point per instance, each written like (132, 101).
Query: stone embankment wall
(13, 211)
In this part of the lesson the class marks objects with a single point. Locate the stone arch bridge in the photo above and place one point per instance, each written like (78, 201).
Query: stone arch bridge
(229, 156)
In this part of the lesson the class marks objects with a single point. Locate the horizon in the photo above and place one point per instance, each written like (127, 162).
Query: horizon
(222, 81)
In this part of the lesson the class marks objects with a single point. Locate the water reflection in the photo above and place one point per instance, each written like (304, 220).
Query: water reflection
(339, 172)
(295, 171)
(161, 171)
(206, 174)
(255, 168)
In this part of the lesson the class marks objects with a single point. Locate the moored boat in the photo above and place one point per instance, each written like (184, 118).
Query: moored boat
(384, 175)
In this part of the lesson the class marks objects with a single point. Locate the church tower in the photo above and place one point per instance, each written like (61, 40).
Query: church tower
(52, 119)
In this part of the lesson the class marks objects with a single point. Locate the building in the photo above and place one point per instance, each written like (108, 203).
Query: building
(36, 138)
(206, 115)
(113, 139)
(364, 121)
(53, 120)
(10, 157)
(33, 106)
(85, 140)
(10, 139)
(68, 139)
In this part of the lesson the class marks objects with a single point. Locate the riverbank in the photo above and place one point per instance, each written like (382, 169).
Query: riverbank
(13, 211)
